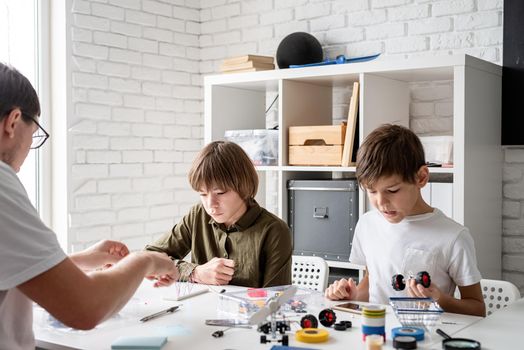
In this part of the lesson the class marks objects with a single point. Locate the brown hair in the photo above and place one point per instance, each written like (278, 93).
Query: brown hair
(389, 150)
(226, 165)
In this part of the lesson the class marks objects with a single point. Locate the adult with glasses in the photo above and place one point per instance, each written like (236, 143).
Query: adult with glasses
(33, 267)
(40, 136)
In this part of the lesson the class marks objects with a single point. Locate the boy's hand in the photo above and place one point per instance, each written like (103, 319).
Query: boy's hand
(342, 290)
(216, 271)
(417, 290)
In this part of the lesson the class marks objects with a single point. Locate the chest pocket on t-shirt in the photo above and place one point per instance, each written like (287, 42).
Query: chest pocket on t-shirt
(416, 260)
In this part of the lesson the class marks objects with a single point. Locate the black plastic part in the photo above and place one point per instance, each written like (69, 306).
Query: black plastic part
(327, 317)
(218, 334)
(404, 342)
(265, 328)
(348, 324)
(340, 326)
(285, 340)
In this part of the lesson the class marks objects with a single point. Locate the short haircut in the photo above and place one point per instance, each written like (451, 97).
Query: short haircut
(387, 151)
(226, 165)
(17, 92)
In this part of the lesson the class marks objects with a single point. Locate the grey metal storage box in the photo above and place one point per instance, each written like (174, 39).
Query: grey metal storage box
(322, 217)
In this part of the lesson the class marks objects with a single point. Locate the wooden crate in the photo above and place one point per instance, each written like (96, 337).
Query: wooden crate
(316, 145)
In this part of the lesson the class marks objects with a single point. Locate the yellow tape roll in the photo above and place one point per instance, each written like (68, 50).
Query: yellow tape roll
(312, 335)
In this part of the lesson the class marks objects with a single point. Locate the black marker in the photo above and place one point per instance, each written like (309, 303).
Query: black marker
(160, 313)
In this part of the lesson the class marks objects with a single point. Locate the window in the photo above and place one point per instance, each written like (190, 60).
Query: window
(19, 35)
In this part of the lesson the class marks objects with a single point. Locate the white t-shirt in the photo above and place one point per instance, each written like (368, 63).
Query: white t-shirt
(429, 242)
(27, 248)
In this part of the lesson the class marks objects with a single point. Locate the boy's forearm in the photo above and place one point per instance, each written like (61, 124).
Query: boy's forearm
(362, 294)
(467, 306)
(363, 289)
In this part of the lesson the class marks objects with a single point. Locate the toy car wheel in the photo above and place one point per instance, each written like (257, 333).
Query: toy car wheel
(309, 321)
(285, 340)
(397, 282)
(327, 317)
(263, 339)
(424, 279)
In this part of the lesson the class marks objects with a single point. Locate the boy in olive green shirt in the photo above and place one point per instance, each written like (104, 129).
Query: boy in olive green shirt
(231, 238)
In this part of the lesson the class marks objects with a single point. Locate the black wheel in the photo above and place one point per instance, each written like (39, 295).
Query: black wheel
(327, 317)
(397, 282)
(263, 339)
(285, 340)
(309, 321)
(423, 278)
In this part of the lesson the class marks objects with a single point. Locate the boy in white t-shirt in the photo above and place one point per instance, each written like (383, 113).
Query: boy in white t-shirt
(404, 235)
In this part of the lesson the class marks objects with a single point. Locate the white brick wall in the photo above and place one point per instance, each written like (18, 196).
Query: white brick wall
(137, 70)
(128, 87)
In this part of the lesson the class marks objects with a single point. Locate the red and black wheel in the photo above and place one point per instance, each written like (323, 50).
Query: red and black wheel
(309, 321)
(327, 317)
(397, 282)
(423, 278)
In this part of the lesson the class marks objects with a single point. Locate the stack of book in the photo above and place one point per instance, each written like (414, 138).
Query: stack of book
(247, 63)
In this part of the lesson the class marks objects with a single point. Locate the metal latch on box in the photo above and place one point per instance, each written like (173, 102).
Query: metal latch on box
(320, 212)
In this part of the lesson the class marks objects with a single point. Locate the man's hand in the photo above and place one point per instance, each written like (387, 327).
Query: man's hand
(102, 254)
(342, 290)
(217, 271)
(162, 268)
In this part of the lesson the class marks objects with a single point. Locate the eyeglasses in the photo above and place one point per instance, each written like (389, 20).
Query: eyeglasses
(40, 136)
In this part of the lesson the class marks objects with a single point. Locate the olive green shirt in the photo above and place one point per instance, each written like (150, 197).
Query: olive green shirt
(259, 243)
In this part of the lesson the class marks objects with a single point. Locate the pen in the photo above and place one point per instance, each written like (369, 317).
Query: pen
(160, 313)
(216, 291)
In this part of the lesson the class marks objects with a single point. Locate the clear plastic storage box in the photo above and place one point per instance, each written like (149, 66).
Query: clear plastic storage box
(261, 145)
(438, 149)
(243, 304)
(416, 312)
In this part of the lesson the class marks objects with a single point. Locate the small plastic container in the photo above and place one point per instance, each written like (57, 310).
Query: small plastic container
(374, 342)
(260, 145)
(243, 304)
(416, 312)
(438, 149)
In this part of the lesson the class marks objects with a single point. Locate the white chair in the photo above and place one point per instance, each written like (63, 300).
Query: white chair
(310, 272)
(498, 294)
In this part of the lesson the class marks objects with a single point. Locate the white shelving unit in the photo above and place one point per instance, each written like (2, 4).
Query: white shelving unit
(238, 101)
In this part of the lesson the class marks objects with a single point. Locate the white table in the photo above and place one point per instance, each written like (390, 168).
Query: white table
(501, 330)
(185, 328)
